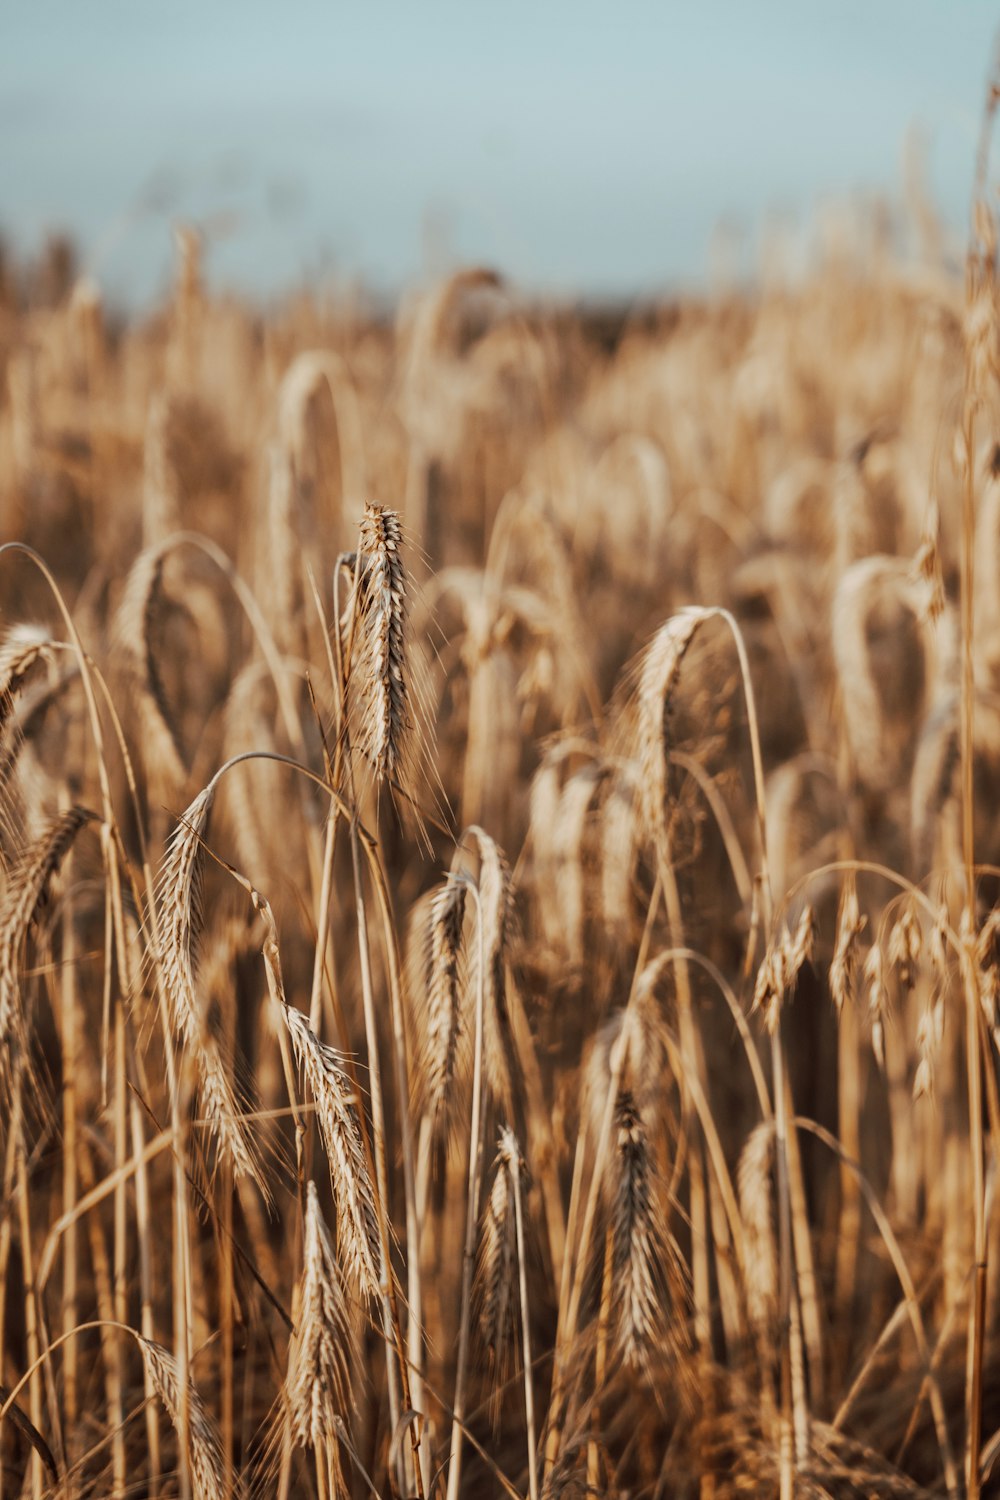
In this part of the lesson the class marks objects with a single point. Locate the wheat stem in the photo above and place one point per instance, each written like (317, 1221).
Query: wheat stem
(476, 1133)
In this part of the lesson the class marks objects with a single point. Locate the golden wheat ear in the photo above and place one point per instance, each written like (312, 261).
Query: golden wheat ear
(141, 604)
(180, 921)
(23, 648)
(637, 1238)
(336, 1109)
(208, 1470)
(381, 722)
(495, 1286)
(436, 985)
(25, 892)
(317, 1385)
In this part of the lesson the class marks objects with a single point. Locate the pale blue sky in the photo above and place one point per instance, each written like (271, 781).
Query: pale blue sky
(577, 147)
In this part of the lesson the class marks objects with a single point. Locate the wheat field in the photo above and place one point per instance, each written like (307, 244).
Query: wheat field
(500, 896)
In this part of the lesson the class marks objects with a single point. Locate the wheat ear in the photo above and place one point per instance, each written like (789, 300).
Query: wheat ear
(378, 668)
(435, 976)
(318, 1378)
(336, 1108)
(495, 1267)
(496, 907)
(180, 921)
(636, 1237)
(21, 900)
(207, 1465)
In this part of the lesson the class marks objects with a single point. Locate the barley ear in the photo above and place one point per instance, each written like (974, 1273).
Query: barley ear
(381, 721)
(179, 926)
(24, 894)
(317, 1384)
(636, 1237)
(208, 1470)
(336, 1109)
(436, 981)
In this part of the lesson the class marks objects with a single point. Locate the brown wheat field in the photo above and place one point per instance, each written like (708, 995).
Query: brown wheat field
(500, 889)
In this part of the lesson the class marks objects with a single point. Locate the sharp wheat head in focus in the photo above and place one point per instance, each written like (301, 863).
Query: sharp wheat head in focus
(500, 989)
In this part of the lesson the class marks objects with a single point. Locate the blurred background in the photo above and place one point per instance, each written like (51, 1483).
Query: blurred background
(586, 150)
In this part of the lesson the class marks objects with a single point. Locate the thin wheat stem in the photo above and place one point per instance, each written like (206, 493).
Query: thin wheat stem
(476, 1133)
(514, 1168)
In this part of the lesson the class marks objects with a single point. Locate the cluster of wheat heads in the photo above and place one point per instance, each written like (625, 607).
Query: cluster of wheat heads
(499, 988)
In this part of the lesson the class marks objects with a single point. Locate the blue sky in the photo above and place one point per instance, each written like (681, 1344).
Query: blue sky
(580, 148)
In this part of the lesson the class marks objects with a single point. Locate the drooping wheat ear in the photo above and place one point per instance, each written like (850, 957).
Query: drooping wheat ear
(308, 375)
(640, 1030)
(883, 649)
(255, 790)
(803, 816)
(208, 1470)
(757, 1213)
(318, 1380)
(934, 810)
(23, 647)
(636, 1237)
(378, 669)
(336, 1109)
(180, 890)
(180, 925)
(496, 909)
(782, 964)
(21, 900)
(571, 888)
(441, 978)
(496, 1269)
(141, 602)
(850, 925)
(559, 825)
(659, 668)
